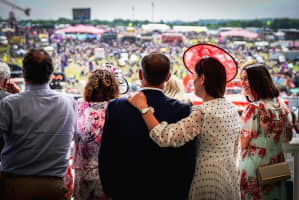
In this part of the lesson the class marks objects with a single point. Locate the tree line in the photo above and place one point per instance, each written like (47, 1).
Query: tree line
(275, 24)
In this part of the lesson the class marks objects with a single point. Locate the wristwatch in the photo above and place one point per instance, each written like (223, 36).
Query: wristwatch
(145, 110)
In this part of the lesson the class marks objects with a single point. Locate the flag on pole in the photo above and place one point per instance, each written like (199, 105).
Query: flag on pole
(153, 5)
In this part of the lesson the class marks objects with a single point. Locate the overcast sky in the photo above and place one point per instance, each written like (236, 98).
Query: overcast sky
(168, 10)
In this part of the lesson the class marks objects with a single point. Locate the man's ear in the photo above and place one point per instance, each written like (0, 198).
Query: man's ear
(202, 79)
(5, 82)
(140, 75)
(168, 77)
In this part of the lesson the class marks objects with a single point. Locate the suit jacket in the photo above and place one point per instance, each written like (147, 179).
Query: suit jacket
(131, 165)
(2, 95)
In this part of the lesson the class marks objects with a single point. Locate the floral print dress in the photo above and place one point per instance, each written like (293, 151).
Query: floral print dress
(90, 123)
(263, 123)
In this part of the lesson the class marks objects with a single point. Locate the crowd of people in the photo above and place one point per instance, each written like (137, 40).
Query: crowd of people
(151, 145)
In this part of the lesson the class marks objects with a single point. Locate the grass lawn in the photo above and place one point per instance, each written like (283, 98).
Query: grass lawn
(73, 70)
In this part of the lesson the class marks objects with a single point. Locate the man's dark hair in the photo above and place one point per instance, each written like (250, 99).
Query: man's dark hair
(215, 76)
(260, 81)
(155, 68)
(37, 66)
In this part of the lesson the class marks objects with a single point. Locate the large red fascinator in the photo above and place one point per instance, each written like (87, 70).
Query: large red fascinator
(196, 52)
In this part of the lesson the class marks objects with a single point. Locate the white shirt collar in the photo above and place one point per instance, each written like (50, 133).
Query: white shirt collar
(151, 88)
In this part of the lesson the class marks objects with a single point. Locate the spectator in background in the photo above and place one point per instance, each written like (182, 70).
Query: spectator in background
(295, 123)
(266, 123)
(38, 127)
(296, 79)
(100, 88)
(290, 81)
(6, 88)
(174, 88)
(131, 165)
(4, 79)
(279, 80)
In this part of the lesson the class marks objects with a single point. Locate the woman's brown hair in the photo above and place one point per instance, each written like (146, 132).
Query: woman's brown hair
(101, 86)
(260, 82)
(215, 76)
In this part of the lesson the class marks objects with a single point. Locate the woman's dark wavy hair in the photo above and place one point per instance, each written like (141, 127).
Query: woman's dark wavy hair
(215, 76)
(37, 66)
(101, 86)
(260, 82)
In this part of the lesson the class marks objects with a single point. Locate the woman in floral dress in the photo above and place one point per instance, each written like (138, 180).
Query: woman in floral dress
(266, 123)
(100, 88)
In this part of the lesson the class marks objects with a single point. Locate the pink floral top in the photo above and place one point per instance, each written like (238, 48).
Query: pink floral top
(91, 118)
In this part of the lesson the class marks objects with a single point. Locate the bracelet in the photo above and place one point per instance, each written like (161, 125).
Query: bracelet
(145, 110)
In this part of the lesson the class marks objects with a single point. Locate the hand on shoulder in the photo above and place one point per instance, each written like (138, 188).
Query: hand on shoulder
(138, 100)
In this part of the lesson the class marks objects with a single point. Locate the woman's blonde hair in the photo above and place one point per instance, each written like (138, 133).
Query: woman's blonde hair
(174, 89)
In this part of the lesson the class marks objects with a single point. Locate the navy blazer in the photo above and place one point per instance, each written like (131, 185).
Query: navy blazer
(131, 165)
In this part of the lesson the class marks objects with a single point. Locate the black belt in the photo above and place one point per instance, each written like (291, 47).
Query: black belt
(5, 175)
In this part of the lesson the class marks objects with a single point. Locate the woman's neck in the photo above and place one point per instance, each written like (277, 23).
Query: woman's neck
(207, 98)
